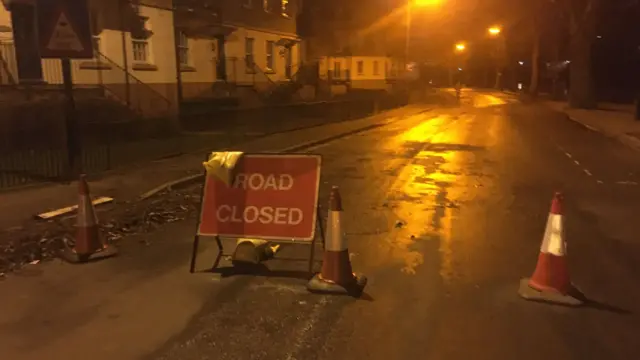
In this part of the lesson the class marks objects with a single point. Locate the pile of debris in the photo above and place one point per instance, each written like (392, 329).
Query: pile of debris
(37, 240)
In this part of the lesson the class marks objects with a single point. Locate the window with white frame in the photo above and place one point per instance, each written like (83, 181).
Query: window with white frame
(375, 68)
(285, 8)
(360, 66)
(140, 43)
(140, 50)
(336, 70)
(183, 49)
(249, 59)
(271, 59)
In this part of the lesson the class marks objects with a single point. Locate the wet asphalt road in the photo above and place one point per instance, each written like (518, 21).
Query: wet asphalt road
(472, 186)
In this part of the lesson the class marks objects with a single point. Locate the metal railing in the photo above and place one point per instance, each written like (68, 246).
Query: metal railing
(121, 85)
(113, 81)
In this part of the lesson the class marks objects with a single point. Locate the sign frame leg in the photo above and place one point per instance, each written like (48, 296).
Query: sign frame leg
(196, 238)
(216, 262)
(194, 254)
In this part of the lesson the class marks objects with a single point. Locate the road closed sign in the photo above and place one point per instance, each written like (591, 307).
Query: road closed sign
(270, 196)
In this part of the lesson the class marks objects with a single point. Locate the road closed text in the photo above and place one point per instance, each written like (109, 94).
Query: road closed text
(271, 196)
(266, 214)
(257, 182)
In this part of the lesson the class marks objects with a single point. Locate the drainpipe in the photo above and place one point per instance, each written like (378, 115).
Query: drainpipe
(176, 37)
(125, 60)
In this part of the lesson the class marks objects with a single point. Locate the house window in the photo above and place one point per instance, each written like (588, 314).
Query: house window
(140, 50)
(336, 69)
(247, 3)
(249, 59)
(270, 56)
(285, 8)
(375, 68)
(140, 43)
(183, 49)
(360, 67)
(265, 5)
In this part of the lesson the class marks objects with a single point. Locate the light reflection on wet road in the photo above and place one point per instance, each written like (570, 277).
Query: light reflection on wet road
(444, 212)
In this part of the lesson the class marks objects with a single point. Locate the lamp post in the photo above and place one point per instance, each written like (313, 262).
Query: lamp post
(410, 5)
(495, 32)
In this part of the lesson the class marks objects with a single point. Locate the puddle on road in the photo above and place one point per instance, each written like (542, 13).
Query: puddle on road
(422, 200)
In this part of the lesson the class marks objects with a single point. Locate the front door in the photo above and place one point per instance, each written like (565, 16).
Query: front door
(221, 61)
(287, 62)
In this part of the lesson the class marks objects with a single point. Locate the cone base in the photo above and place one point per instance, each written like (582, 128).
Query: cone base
(552, 297)
(73, 257)
(320, 286)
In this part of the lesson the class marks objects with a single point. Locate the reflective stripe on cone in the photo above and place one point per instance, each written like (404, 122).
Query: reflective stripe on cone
(550, 281)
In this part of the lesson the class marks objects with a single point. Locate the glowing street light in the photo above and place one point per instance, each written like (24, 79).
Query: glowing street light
(417, 4)
(494, 31)
(460, 47)
(421, 3)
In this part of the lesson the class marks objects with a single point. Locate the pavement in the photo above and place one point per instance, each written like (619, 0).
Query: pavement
(129, 183)
(471, 186)
(614, 120)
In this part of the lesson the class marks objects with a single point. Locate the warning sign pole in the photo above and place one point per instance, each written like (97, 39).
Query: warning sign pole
(74, 158)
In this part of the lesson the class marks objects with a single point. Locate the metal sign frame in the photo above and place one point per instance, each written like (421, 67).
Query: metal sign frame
(318, 226)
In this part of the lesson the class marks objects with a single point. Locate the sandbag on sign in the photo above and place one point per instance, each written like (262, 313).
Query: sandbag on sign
(222, 165)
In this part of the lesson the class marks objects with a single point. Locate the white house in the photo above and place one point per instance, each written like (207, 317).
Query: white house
(242, 43)
(359, 72)
(131, 43)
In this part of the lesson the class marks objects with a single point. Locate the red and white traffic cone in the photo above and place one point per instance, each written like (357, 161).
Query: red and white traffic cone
(336, 276)
(88, 244)
(550, 281)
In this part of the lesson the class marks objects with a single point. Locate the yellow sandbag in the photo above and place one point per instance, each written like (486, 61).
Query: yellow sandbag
(222, 165)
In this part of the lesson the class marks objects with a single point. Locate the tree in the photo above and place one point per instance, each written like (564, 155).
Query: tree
(536, 22)
(582, 32)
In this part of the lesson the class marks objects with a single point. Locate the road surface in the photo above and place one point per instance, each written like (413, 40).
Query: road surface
(471, 187)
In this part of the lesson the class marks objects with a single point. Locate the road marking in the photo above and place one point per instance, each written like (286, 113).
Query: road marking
(626, 183)
(585, 170)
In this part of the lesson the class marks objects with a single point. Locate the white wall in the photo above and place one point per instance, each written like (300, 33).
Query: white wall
(162, 60)
(162, 50)
(201, 72)
(5, 20)
(235, 47)
(368, 72)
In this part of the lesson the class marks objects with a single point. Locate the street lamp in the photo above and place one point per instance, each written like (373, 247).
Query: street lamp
(460, 47)
(494, 31)
(410, 5)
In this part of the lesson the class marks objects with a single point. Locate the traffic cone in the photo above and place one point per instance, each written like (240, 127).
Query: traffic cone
(336, 276)
(550, 281)
(88, 243)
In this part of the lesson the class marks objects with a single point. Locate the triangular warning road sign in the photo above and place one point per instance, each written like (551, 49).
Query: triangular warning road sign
(63, 37)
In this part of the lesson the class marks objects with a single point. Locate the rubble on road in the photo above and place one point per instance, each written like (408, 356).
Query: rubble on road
(37, 240)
